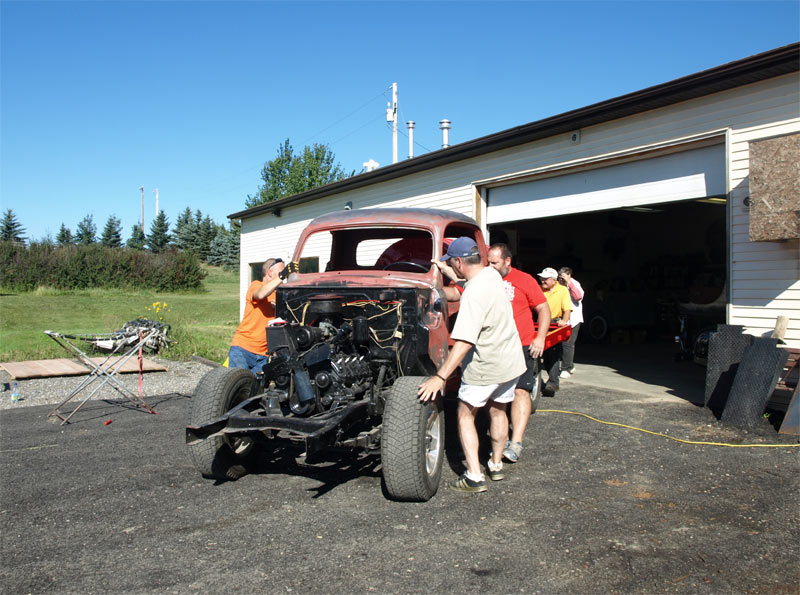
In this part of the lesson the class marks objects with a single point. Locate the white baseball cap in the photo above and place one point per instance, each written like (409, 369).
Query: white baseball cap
(548, 273)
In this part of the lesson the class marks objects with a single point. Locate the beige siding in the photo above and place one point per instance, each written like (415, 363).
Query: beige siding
(764, 275)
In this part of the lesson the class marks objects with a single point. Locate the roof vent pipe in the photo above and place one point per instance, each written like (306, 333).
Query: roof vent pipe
(410, 125)
(444, 126)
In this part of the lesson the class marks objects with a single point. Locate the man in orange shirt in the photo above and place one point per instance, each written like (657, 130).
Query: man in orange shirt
(249, 346)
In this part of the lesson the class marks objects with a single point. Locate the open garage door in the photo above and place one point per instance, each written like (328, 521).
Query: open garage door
(697, 173)
(643, 269)
(647, 240)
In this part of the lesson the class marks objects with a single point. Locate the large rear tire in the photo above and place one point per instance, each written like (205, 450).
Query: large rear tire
(219, 391)
(412, 442)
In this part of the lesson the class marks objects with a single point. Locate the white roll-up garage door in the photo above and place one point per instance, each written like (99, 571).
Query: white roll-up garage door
(696, 173)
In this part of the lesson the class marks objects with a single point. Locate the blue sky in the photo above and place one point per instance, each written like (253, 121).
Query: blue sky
(100, 98)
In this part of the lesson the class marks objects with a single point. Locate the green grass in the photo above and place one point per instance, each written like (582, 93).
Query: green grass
(201, 322)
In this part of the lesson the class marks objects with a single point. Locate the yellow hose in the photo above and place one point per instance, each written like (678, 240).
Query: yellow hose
(612, 423)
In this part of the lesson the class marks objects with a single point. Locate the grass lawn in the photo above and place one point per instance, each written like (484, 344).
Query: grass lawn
(202, 322)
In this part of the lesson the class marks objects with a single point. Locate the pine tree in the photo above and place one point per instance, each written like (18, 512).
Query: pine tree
(64, 236)
(206, 232)
(185, 230)
(112, 233)
(137, 239)
(11, 230)
(225, 248)
(158, 238)
(86, 232)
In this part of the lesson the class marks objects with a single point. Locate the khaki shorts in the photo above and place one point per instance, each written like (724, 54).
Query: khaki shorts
(478, 396)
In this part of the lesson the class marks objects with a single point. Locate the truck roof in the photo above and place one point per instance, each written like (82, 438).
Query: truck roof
(431, 218)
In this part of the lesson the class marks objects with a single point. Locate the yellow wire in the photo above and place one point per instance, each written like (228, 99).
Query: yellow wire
(612, 423)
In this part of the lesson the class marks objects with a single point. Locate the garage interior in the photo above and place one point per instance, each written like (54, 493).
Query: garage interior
(641, 268)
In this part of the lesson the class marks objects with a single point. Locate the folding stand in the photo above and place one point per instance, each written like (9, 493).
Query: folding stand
(107, 369)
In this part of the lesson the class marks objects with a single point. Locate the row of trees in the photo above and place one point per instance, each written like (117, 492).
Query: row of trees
(195, 232)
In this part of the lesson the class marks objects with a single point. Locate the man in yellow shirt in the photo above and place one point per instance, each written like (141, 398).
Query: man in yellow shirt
(560, 309)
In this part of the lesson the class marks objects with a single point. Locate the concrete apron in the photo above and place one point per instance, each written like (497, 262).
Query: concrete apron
(648, 370)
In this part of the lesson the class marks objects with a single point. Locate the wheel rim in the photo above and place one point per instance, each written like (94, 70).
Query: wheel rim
(433, 440)
(240, 446)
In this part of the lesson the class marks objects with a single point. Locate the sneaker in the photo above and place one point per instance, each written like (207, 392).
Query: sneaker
(512, 451)
(495, 474)
(550, 389)
(565, 374)
(465, 484)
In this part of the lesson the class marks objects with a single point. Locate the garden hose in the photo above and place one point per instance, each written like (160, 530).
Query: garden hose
(696, 442)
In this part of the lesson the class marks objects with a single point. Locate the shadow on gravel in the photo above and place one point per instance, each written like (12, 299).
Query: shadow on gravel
(100, 408)
(331, 468)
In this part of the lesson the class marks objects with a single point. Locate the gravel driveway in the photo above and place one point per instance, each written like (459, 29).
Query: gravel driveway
(180, 377)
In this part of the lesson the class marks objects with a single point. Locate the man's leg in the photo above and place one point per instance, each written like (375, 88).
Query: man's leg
(568, 351)
(238, 357)
(552, 363)
(521, 405)
(520, 414)
(469, 437)
(498, 429)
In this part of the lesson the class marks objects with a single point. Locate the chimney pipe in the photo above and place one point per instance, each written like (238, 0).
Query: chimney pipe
(444, 126)
(410, 125)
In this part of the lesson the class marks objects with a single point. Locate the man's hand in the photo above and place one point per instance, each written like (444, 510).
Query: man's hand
(291, 267)
(562, 322)
(446, 269)
(536, 348)
(430, 388)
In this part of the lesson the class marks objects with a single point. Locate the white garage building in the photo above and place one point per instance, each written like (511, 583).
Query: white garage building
(686, 192)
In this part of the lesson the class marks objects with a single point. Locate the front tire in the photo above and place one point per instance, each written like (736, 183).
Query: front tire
(219, 391)
(412, 442)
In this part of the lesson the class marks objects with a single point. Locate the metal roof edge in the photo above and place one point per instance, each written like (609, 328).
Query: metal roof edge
(769, 64)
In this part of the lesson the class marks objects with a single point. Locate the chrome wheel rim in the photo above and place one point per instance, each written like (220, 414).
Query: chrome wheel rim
(433, 440)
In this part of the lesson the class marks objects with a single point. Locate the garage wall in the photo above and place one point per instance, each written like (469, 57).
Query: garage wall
(765, 275)
(752, 111)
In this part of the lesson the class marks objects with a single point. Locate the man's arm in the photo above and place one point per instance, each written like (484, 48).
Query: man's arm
(271, 284)
(543, 318)
(451, 292)
(575, 290)
(431, 387)
(567, 309)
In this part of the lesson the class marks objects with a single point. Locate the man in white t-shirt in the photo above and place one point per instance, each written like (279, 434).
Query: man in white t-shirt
(486, 341)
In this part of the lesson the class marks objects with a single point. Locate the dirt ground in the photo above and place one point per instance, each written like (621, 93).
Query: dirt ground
(590, 508)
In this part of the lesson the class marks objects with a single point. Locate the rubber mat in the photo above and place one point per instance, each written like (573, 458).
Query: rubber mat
(725, 349)
(755, 380)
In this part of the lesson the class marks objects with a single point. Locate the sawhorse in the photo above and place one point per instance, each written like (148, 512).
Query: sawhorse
(106, 370)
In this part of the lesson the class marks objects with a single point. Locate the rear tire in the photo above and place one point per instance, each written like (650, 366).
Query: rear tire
(219, 391)
(412, 442)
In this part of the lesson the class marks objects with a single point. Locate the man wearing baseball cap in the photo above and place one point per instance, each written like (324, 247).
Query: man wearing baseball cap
(560, 308)
(486, 340)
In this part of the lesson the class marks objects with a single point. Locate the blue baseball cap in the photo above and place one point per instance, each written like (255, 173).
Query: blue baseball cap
(460, 248)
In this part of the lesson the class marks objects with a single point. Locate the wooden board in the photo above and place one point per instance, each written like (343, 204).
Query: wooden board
(48, 368)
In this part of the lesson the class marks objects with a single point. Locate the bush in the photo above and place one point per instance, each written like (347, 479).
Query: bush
(23, 268)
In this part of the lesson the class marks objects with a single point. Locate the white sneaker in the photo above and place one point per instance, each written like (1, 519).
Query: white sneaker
(564, 374)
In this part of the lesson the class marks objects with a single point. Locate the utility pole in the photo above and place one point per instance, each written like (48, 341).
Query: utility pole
(142, 189)
(391, 116)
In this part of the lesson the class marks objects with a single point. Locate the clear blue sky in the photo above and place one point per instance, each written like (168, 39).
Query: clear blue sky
(100, 98)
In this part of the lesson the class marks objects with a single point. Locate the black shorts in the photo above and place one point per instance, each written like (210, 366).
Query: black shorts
(530, 375)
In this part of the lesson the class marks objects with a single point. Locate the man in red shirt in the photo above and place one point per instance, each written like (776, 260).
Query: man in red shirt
(249, 345)
(525, 296)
